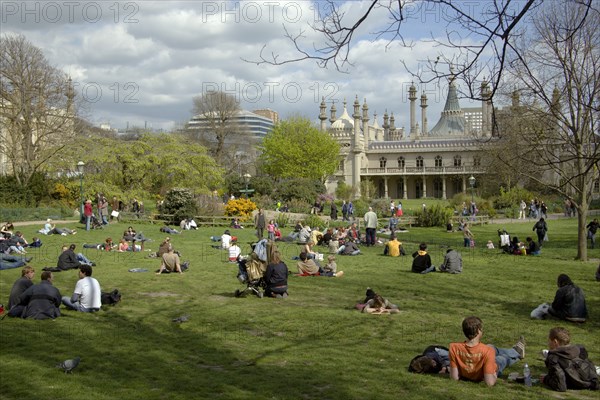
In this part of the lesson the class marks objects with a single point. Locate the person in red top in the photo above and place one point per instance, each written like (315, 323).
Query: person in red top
(87, 213)
(474, 361)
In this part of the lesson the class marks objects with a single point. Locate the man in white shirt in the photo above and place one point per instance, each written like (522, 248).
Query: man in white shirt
(234, 251)
(87, 294)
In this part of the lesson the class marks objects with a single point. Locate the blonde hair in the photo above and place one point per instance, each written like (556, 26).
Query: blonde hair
(331, 258)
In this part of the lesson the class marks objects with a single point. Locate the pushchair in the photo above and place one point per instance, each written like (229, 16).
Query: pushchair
(95, 223)
(252, 270)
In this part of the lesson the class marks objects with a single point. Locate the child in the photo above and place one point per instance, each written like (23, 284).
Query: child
(568, 365)
(271, 230)
(234, 250)
(490, 245)
(331, 266)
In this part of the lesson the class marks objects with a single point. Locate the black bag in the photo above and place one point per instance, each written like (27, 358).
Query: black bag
(111, 298)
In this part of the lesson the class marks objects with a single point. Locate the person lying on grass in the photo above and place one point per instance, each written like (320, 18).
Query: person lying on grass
(474, 361)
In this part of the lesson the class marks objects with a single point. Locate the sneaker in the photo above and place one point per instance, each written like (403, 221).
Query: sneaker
(284, 295)
(339, 274)
(520, 347)
(63, 234)
(28, 259)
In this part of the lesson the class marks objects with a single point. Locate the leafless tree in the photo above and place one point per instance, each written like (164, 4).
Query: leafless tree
(478, 36)
(37, 108)
(217, 126)
(557, 73)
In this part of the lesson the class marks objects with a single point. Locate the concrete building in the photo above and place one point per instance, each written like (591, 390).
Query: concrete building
(257, 125)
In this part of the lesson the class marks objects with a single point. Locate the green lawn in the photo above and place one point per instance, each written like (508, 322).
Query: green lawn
(312, 345)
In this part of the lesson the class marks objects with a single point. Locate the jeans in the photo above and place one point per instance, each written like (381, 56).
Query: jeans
(88, 220)
(76, 306)
(428, 270)
(83, 259)
(5, 264)
(370, 236)
(505, 358)
(592, 237)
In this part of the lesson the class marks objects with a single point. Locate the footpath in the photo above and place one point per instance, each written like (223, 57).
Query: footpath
(296, 216)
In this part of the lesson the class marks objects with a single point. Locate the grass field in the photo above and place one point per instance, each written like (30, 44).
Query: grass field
(311, 345)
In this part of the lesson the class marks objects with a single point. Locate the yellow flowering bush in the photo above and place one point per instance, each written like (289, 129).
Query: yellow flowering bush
(239, 208)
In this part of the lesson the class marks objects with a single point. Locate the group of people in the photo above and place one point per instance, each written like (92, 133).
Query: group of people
(43, 300)
(568, 366)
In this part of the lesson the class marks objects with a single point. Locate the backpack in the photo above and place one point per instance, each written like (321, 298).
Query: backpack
(110, 298)
(581, 374)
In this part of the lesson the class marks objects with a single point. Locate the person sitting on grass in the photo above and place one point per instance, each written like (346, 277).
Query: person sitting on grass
(68, 259)
(568, 365)
(393, 248)
(474, 361)
(533, 249)
(87, 294)
(422, 261)
(18, 288)
(170, 262)
(349, 248)
(276, 277)
(308, 266)
(234, 251)
(452, 262)
(569, 301)
(308, 249)
(41, 301)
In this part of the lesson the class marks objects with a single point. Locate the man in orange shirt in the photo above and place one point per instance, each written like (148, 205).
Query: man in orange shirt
(475, 361)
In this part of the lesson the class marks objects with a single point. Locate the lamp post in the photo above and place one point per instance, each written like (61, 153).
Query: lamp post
(80, 166)
(472, 183)
(247, 177)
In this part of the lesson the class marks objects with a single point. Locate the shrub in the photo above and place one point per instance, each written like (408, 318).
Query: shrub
(344, 191)
(512, 197)
(299, 188)
(299, 206)
(436, 215)
(179, 203)
(314, 221)
(282, 220)
(264, 201)
(240, 208)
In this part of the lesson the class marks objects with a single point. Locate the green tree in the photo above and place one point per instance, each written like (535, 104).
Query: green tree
(297, 148)
(153, 164)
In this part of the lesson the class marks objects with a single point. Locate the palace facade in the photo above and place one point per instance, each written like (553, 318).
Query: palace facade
(421, 163)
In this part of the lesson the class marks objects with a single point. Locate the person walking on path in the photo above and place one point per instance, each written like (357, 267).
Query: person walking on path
(541, 228)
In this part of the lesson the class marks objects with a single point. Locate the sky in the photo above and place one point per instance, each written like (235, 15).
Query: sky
(140, 63)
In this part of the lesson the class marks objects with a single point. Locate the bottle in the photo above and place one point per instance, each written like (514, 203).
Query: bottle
(527, 375)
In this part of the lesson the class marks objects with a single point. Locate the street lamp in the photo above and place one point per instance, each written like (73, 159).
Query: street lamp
(472, 183)
(247, 177)
(80, 166)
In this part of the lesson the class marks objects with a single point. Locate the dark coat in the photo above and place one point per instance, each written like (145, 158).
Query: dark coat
(569, 302)
(420, 261)
(569, 368)
(333, 214)
(41, 301)
(68, 260)
(276, 275)
(18, 288)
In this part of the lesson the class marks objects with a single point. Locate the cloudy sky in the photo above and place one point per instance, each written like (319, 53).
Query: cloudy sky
(141, 62)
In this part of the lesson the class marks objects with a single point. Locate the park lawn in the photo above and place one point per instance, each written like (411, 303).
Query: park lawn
(312, 345)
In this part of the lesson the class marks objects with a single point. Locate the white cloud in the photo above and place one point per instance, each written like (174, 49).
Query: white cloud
(162, 53)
